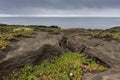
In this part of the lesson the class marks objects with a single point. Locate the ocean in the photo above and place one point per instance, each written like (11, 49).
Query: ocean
(65, 22)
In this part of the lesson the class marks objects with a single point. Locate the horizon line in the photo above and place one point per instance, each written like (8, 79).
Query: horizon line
(7, 15)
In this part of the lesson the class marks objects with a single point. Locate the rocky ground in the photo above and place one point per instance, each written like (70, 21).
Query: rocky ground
(107, 52)
(44, 45)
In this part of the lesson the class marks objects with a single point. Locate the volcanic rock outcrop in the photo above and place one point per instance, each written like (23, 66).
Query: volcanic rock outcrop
(44, 45)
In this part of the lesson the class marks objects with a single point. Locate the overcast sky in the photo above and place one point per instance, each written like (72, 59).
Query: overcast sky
(82, 8)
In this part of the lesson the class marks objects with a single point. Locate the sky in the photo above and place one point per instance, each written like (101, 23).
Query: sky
(59, 8)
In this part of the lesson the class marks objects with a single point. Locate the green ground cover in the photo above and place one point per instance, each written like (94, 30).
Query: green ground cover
(66, 67)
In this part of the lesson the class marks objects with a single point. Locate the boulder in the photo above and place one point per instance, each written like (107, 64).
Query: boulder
(31, 51)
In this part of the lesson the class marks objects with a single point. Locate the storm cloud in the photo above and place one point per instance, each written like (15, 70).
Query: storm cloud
(59, 8)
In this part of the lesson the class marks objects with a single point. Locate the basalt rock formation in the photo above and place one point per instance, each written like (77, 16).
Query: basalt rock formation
(44, 45)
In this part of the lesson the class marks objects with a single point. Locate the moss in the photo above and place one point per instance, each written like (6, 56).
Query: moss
(23, 31)
(67, 66)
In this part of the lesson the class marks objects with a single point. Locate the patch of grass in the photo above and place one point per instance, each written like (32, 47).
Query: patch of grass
(108, 34)
(100, 34)
(23, 31)
(67, 66)
(105, 35)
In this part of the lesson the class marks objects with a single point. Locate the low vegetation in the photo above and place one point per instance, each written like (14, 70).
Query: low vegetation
(101, 34)
(113, 33)
(69, 66)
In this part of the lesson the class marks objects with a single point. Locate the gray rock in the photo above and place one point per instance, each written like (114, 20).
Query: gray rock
(107, 52)
(30, 51)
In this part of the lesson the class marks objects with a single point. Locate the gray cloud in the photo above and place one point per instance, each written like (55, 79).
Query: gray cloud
(59, 7)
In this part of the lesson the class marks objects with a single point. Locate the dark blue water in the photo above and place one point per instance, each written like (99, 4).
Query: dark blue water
(65, 22)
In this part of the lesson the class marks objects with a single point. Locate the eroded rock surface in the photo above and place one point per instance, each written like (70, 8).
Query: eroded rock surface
(108, 52)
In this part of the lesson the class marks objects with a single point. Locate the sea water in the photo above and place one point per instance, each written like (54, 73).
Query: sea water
(65, 22)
